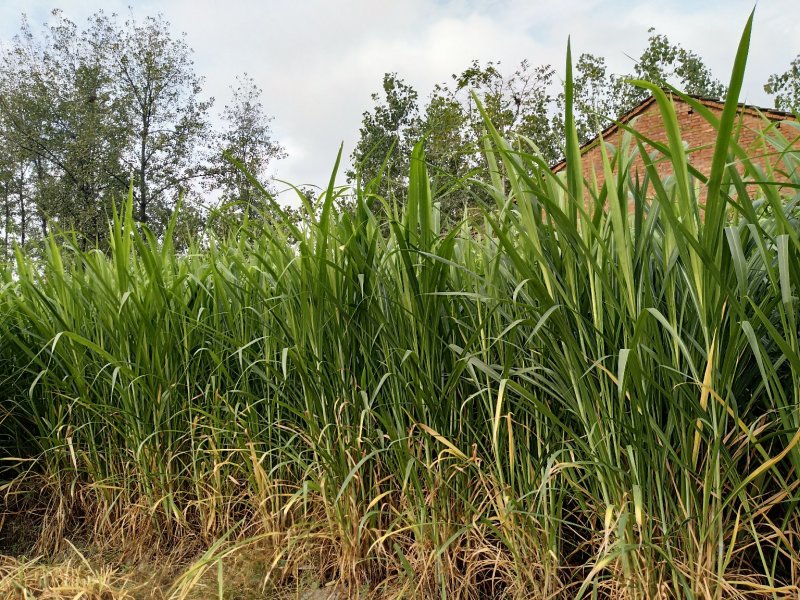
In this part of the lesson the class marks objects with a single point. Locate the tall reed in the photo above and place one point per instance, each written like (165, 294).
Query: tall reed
(568, 399)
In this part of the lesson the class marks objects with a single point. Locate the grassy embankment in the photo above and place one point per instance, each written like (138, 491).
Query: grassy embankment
(577, 399)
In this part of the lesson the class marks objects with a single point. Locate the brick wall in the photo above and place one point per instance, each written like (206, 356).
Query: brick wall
(697, 134)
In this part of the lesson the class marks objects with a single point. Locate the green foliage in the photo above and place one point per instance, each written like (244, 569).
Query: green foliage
(601, 97)
(166, 116)
(63, 129)
(387, 134)
(519, 105)
(247, 137)
(786, 87)
(597, 394)
(663, 62)
(86, 112)
(524, 108)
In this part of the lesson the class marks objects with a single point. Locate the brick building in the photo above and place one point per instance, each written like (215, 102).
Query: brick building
(698, 135)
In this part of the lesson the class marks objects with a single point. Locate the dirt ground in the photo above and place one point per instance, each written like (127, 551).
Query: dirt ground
(80, 576)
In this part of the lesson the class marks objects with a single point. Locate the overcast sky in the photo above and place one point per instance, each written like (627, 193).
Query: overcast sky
(318, 61)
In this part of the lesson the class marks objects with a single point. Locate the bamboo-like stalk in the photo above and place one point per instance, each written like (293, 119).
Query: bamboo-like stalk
(555, 401)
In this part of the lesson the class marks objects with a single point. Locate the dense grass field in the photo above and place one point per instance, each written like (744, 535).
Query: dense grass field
(584, 392)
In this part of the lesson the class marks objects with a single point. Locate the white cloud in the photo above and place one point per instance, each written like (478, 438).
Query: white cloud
(318, 61)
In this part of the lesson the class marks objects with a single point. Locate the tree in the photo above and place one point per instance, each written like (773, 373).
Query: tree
(89, 132)
(785, 87)
(596, 97)
(387, 135)
(450, 155)
(247, 137)
(518, 105)
(63, 122)
(86, 112)
(15, 164)
(154, 72)
(453, 129)
(14, 201)
(601, 97)
(664, 62)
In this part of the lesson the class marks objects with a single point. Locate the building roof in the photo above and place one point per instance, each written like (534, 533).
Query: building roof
(771, 113)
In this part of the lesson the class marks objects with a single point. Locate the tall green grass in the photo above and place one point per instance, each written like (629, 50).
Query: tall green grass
(594, 393)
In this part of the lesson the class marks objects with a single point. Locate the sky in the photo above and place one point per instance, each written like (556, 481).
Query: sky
(318, 61)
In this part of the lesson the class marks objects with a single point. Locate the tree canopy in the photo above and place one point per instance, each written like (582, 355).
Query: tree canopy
(525, 104)
(785, 87)
(89, 114)
(92, 113)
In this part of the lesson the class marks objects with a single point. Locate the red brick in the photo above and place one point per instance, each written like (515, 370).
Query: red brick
(696, 132)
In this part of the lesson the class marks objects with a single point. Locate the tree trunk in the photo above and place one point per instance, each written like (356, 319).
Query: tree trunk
(43, 222)
(40, 180)
(7, 228)
(143, 177)
(23, 220)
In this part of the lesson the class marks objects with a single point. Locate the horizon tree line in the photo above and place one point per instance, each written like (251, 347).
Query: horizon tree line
(524, 104)
(90, 114)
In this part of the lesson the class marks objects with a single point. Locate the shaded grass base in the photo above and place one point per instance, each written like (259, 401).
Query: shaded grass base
(305, 554)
